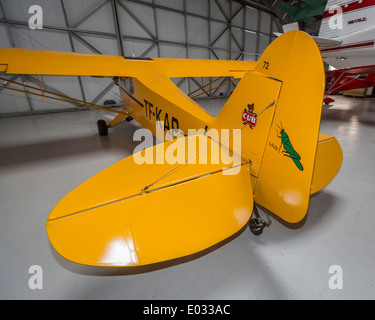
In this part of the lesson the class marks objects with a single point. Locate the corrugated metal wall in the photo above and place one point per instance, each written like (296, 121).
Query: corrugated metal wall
(205, 29)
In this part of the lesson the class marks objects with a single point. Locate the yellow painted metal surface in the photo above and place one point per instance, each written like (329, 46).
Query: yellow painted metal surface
(27, 61)
(284, 182)
(127, 178)
(202, 68)
(119, 118)
(328, 161)
(158, 98)
(43, 62)
(120, 226)
(261, 91)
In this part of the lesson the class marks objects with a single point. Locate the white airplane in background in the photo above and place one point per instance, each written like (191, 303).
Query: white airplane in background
(346, 41)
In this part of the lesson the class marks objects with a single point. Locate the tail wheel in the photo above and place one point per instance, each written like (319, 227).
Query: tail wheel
(256, 226)
(256, 223)
(102, 128)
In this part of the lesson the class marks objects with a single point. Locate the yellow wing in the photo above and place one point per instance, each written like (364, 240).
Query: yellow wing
(41, 62)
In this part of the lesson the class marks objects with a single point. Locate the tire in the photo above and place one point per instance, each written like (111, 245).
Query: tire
(102, 128)
(255, 226)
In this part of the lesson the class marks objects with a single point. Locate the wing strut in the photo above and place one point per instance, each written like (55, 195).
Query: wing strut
(56, 96)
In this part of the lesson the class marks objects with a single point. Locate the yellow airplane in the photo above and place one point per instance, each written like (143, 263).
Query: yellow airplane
(135, 215)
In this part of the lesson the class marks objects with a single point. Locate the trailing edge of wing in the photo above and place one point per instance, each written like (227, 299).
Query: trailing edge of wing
(27, 61)
(201, 67)
(326, 43)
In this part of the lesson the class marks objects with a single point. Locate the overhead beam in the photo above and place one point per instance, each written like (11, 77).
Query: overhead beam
(73, 48)
(117, 26)
(136, 19)
(258, 6)
(90, 13)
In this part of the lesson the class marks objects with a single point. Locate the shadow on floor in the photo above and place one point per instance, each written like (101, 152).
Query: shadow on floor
(60, 149)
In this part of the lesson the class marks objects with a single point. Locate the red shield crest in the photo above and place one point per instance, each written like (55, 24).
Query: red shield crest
(249, 118)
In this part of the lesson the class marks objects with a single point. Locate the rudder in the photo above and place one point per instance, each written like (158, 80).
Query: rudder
(284, 181)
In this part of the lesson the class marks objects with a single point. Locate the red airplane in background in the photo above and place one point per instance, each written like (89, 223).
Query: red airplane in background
(351, 24)
(346, 41)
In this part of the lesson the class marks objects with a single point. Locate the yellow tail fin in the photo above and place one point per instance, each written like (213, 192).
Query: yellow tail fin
(285, 92)
(284, 182)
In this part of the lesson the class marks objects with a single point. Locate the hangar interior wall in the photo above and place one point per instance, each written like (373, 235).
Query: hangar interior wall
(202, 29)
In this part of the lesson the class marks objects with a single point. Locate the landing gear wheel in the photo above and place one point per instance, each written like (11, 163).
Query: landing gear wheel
(256, 223)
(256, 226)
(102, 128)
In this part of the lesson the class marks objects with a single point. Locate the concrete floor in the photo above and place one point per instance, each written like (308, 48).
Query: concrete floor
(42, 158)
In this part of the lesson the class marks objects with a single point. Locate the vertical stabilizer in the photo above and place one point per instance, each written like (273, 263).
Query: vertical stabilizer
(284, 181)
(282, 145)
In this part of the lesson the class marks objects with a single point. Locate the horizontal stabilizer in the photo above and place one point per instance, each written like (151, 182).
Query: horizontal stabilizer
(324, 43)
(294, 26)
(328, 162)
(110, 221)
